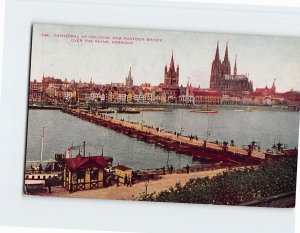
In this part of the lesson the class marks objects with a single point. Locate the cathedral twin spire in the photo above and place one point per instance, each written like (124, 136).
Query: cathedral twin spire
(221, 68)
(225, 65)
(223, 80)
(226, 68)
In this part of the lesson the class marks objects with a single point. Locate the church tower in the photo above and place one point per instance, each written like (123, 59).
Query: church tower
(273, 88)
(216, 70)
(171, 77)
(129, 79)
(226, 69)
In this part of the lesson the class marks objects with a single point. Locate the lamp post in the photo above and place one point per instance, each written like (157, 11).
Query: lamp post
(146, 185)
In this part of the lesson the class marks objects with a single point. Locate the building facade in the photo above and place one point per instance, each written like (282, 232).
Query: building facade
(82, 172)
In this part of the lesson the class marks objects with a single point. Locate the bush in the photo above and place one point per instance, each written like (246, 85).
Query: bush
(234, 187)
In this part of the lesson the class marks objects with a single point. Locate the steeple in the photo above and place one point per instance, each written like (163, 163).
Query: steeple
(216, 69)
(217, 57)
(129, 79)
(226, 53)
(226, 69)
(171, 77)
(172, 66)
(187, 87)
(273, 88)
(235, 68)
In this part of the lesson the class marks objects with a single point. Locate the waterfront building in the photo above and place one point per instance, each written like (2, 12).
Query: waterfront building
(115, 96)
(102, 97)
(187, 95)
(121, 97)
(88, 96)
(150, 96)
(139, 97)
(110, 97)
(129, 97)
(82, 172)
(59, 94)
(65, 84)
(82, 94)
(231, 99)
(247, 100)
(50, 91)
(122, 172)
(51, 81)
(163, 98)
(223, 81)
(136, 97)
(206, 97)
(266, 91)
(35, 91)
(95, 94)
(68, 94)
(129, 79)
(291, 98)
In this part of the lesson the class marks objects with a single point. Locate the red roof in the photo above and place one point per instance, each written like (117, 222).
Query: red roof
(205, 93)
(161, 85)
(80, 162)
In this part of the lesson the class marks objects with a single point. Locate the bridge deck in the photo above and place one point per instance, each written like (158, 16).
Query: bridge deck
(172, 136)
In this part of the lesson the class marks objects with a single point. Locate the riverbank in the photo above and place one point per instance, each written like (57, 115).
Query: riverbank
(132, 193)
(246, 108)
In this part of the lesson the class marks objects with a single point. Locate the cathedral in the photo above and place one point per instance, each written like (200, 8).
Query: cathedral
(222, 80)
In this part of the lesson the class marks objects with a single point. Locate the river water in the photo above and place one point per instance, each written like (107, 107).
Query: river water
(265, 127)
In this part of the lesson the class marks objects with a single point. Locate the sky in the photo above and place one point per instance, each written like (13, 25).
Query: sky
(264, 58)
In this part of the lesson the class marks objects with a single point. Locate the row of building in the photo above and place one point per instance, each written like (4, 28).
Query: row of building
(225, 88)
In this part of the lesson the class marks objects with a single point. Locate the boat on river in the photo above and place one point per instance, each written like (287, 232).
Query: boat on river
(205, 111)
(128, 110)
(155, 110)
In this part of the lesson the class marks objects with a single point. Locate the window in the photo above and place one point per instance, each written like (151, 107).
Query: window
(94, 175)
(80, 176)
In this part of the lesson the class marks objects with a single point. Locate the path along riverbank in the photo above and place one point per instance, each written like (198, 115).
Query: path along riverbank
(133, 192)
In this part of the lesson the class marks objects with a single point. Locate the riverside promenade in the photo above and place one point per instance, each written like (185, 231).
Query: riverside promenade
(172, 141)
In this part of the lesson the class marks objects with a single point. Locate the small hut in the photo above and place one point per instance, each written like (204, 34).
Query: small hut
(122, 171)
(82, 173)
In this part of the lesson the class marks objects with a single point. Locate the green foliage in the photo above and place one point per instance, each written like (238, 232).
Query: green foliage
(234, 187)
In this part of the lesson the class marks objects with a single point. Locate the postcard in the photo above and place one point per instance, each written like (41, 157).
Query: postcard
(163, 116)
